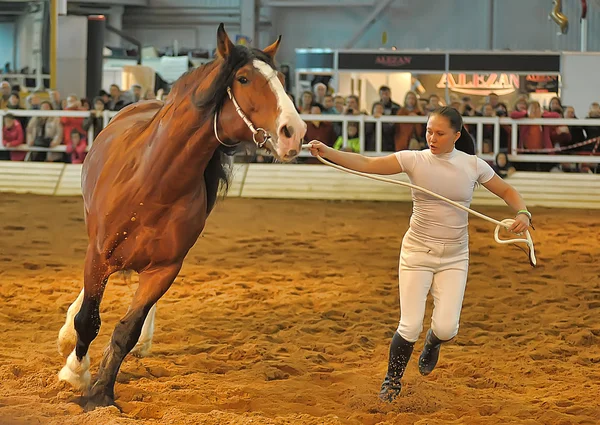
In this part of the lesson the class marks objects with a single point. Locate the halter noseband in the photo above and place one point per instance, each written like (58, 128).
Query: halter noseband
(265, 134)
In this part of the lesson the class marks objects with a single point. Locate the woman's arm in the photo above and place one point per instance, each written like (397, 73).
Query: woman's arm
(373, 165)
(513, 199)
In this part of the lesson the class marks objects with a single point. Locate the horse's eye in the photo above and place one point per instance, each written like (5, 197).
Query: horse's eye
(243, 80)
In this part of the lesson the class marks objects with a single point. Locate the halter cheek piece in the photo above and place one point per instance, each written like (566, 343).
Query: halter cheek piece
(255, 131)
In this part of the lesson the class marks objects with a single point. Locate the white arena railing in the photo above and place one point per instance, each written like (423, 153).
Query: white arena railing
(554, 157)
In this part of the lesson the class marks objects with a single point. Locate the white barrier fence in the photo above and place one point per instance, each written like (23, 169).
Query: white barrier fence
(478, 122)
(317, 181)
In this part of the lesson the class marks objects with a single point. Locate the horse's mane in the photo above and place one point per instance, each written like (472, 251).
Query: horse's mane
(209, 101)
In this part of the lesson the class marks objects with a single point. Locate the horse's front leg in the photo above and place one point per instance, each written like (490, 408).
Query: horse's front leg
(153, 284)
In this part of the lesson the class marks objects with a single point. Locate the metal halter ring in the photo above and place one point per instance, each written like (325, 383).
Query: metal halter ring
(266, 137)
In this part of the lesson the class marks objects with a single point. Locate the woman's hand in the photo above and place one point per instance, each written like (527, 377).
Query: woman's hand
(318, 148)
(520, 225)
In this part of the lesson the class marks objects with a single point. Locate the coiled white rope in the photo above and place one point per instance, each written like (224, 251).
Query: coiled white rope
(506, 223)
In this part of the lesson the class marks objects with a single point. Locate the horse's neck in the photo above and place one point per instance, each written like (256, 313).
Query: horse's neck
(182, 144)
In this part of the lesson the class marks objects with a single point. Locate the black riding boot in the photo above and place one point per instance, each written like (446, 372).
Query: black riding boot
(431, 352)
(400, 352)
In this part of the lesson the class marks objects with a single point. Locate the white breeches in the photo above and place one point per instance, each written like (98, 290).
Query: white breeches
(437, 267)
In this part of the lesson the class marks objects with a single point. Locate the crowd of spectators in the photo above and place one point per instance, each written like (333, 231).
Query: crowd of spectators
(48, 132)
(399, 136)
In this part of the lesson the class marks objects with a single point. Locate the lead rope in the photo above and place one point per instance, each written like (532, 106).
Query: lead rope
(506, 223)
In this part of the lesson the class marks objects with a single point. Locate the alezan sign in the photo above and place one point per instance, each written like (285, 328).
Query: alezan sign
(393, 61)
(481, 84)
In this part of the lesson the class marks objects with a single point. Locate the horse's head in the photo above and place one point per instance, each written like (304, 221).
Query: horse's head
(256, 106)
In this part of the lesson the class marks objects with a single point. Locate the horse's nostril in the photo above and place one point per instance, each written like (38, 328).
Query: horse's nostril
(293, 152)
(287, 131)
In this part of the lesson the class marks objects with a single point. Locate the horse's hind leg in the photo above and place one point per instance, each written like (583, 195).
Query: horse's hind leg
(153, 284)
(86, 323)
(142, 348)
(67, 337)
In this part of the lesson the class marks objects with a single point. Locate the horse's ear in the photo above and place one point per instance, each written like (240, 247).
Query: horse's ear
(271, 50)
(224, 44)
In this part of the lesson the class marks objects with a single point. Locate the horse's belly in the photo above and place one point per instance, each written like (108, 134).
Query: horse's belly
(151, 235)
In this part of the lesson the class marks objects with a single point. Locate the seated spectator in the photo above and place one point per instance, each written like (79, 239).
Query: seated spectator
(385, 98)
(12, 136)
(136, 92)
(493, 99)
(306, 101)
(338, 105)
(96, 118)
(577, 132)
(14, 103)
(45, 132)
(533, 137)
(560, 134)
(352, 106)
(555, 105)
(105, 98)
(353, 139)
(502, 165)
(118, 99)
(319, 130)
(371, 128)
(4, 94)
(55, 99)
(594, 113)
(328, 105)
(71, 123)
(319, 90)
(434, 102)
(76, 147)
(409, 132)
(33, 102)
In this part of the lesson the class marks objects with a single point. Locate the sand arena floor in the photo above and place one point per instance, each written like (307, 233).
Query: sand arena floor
(283, 314)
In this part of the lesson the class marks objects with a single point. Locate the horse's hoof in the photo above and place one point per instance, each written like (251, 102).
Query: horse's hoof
(141, 350)
(75, 373)
(97, 397)
(89, 403)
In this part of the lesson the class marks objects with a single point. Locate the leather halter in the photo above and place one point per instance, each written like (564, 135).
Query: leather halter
(255, 131)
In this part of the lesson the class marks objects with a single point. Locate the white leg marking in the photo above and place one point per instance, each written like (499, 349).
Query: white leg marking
(75, 372)
(67, 336)
(142, 348)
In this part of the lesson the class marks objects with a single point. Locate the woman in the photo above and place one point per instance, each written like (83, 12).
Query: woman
(406, 132)
(45, 132)
(435, 252)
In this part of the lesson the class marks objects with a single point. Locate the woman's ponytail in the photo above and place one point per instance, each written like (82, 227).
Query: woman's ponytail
(465, 142)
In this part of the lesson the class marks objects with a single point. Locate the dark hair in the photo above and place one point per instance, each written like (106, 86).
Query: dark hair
(384, 88)
(465, 141)
(10, 116)
(317, 105)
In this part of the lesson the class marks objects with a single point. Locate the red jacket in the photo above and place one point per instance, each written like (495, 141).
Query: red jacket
(70, 123)
(525, 130)
(78, 152)
(13, 137)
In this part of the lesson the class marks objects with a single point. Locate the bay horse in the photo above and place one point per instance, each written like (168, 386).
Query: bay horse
(149, 183)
